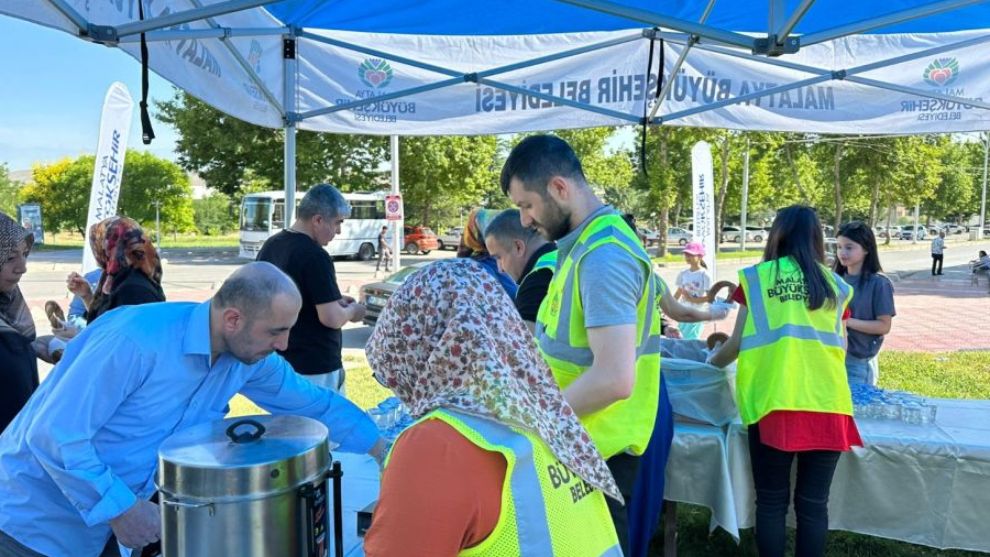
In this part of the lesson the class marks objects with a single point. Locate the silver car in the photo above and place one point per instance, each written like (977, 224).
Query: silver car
(451, 238)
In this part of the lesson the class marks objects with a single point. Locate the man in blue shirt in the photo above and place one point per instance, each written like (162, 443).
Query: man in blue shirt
(79, 462)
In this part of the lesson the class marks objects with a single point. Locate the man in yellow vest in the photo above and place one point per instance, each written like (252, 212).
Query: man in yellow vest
(598, 328)
(525, 256)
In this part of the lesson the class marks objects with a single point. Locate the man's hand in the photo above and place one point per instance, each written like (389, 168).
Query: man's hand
(139, 526)
(720, 310)
(358, 311)
(378, 451)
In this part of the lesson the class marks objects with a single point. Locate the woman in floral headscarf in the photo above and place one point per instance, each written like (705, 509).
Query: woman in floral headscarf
(453, 348)
(473, 246)
(19, 367)
(132, 272)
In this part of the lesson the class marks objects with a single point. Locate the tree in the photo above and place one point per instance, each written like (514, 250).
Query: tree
(214, 214)
(612, 174)
(63, 190)
(8, 192)
(226, 151)
(442, 175)
(955, 196)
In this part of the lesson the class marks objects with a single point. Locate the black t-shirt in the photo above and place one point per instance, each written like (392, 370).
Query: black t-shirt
(131, 287)
(313, 347)
(534, 286)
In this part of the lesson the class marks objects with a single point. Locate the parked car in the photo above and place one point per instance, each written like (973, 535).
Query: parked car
(451, 238)
(955, 229)
(420, 239)
(648, 236)
(375, 294)
(908, 233)
(678, 235)
(894, 232)
(734, 234)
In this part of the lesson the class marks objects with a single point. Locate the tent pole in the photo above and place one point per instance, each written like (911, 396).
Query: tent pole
(886, 20)
(782, 32)
(397, 235)
(745, 197)
(692, 40)
(659, 20)
(187, 16)
(211, 33)
(69, 12)
(289, 70)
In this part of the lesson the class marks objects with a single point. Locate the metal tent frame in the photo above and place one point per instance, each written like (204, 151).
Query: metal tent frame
(770, 48)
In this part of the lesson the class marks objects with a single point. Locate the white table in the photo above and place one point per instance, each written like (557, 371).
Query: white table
(928, 485)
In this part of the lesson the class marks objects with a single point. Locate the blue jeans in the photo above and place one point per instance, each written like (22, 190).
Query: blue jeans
(772, 478)
(862, 370)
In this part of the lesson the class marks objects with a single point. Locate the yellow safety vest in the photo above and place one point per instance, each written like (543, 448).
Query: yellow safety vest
(563, 340)
(546, 510)
(546, 261)
(791, 358)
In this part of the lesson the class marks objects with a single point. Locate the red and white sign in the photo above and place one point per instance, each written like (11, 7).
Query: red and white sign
(393, 207)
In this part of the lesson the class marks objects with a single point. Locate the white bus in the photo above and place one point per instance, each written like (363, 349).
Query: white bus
(263, 214)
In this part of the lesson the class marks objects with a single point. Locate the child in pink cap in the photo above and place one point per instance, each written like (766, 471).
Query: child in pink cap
(692, 286)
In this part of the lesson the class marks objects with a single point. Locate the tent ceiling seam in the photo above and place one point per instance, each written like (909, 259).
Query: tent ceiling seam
(893, 18)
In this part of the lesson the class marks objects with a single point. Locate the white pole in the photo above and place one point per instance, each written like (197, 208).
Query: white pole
(397, 234)
(914, 235)
(289, 72)
(745, 195)
(983, 199)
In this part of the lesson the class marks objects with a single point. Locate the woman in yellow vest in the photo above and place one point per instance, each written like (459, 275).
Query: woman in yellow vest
(497, 463)
(791, 385)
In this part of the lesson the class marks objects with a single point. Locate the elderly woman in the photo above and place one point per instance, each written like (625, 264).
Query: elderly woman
(18, 342)
(132, 272)
(473, 246)
(497, 463)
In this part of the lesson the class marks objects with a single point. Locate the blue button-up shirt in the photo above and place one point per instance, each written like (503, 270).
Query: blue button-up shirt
(84, 449)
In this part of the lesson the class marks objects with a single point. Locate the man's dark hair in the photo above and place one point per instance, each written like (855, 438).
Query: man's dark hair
(537, 159)
(507, 226)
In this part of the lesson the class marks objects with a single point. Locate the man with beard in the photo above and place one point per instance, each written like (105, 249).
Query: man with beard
(78, 463)
(598, 327)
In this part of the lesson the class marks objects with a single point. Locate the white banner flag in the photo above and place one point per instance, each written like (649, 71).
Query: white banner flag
(115, 125)
(703, 182)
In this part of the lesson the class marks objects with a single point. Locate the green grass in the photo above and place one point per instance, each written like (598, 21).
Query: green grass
(944, 375)
(71, 240)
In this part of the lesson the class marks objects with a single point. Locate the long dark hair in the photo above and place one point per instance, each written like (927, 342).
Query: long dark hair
(858, 232)
(797, 233)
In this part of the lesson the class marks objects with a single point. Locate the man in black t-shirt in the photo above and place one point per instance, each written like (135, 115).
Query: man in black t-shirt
(315, 341)
(517, 250)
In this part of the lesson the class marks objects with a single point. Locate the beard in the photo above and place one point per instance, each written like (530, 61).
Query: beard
(554, 224)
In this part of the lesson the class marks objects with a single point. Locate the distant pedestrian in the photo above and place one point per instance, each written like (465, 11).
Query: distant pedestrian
(384, 251)
(938, 245)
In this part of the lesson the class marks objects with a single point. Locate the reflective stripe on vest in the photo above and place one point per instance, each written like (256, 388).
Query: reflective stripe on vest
(764, 335)
(546, 261)
(528, 498)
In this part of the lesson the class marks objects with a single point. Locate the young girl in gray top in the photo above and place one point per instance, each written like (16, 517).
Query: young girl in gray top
(872, 305)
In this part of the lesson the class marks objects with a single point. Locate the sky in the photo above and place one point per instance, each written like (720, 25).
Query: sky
(52, 87)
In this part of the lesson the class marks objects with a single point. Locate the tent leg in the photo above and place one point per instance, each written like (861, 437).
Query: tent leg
(290, 174)
(397, 234)
(289, 67)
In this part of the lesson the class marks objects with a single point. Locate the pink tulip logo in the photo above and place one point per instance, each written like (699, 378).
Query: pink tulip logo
(375, 73)
(942, 72)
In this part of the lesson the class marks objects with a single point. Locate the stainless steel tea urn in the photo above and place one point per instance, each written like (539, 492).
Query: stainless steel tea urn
(247, 487)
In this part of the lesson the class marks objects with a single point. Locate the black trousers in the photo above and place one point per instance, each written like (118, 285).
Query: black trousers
(624, 468)
(772, 476)
(937, 260)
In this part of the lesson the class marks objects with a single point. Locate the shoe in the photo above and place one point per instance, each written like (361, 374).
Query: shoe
(55, 314)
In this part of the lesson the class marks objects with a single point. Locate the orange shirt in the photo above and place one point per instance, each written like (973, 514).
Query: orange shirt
(440, 494)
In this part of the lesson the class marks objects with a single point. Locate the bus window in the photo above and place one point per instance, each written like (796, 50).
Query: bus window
(278, 215)
(255, 214)
(379, 210)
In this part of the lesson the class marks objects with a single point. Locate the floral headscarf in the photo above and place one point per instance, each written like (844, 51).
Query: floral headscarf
(97, 239)
(473, 239)
(451, 338)
(125, 247)
(14, 312)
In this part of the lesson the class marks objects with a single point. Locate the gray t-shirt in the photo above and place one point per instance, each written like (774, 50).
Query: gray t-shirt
(611, 280)
(871, 298)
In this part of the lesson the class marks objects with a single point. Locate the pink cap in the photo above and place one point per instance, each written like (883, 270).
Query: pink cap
(695, 248)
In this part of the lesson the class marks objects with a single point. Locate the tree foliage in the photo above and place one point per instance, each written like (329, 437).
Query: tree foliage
(8, 192)
(63, 189)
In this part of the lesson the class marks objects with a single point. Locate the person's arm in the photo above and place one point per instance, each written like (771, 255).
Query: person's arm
(878, 326)
(335, 315)
(882, 304)
(612, 375)
(278, 389)
(682, 313)
(97, 380)
(78, 285)
(728, 352)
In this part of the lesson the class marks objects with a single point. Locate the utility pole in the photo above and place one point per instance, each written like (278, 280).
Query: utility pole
(158, 228)
(398, 235)
(983, 199)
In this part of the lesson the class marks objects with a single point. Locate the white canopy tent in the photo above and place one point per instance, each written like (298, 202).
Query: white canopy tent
(447, 67)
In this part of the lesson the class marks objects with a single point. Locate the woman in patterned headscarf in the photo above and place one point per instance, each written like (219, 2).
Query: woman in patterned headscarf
(453, 348)
(473, 246)
(132, 272)
(19, 368)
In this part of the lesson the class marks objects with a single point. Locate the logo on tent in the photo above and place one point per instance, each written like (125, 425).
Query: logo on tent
(254, 56)
(942, 72)
(375, 72)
